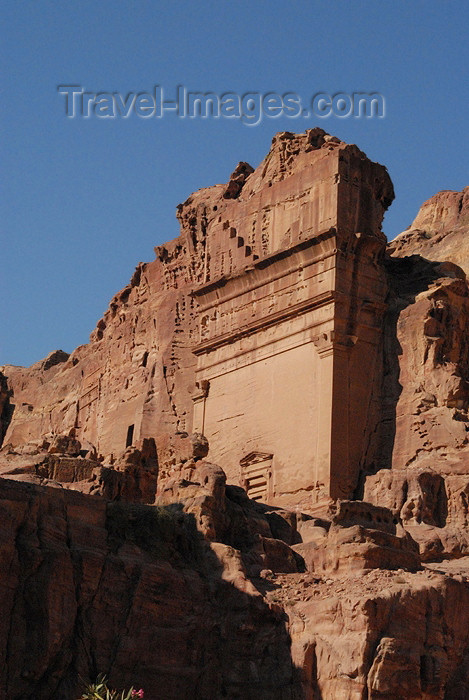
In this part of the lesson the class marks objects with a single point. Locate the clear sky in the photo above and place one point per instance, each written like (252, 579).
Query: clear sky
(84, 200)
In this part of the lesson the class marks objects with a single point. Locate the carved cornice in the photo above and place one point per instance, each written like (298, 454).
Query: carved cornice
(263, 323)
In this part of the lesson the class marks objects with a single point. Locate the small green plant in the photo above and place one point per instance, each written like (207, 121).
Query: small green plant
(101, 691)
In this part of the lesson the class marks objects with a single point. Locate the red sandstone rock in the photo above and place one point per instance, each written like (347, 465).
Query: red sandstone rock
(276, 271)
(424, 434)
(439, 231)
(65, 445)
(134, 592)
(359, 536)
(277, 288)
(227, 515)
(374, 629)
(127, 590)
(133, 479)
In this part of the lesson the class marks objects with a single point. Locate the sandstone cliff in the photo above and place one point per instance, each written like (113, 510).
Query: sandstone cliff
(294, 247)
(135, 591)
(424, 433)
(439, 230)
(345, 575)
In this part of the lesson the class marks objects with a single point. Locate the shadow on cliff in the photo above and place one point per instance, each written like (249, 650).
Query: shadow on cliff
(137, 593)
(407, 277)
(6, 407)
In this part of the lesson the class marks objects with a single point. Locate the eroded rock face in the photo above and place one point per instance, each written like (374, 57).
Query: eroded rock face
(428, 360)
(138, 593)
(423, 440)
(294, 248)
(129, 589)
(226, 514)
(358, 537)
(65, 445)
(209, 593)
(60, 462)
(439, 231)
(374, 629)
(5, 409)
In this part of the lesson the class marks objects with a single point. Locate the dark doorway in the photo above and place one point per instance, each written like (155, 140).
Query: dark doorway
(130, 436)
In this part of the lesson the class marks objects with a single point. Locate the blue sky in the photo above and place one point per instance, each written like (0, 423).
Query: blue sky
(83, 201)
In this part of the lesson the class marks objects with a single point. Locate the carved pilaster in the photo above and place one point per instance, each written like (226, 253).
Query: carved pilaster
(199, 397)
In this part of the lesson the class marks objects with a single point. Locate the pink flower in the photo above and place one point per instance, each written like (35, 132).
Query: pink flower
(138, 693)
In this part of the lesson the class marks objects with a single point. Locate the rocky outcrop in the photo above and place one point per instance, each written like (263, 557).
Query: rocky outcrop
(131, 591)
(392, 635)
(138, 593)
(358, 536)
(423, 440)
(314, 197)
(225, 514)
(426, 377)
(431, 306)
(439, 231)
(131, 477)
(432, 504)
(125, 551)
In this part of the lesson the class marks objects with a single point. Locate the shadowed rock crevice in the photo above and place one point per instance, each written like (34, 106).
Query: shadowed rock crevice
(6, 407)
